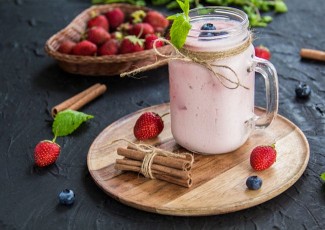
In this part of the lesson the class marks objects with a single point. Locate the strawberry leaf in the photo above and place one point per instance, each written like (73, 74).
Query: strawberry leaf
(322, 176)
(67, 121)
(135, 40)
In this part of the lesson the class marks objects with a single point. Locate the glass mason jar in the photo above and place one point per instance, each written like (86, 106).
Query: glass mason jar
(212, 89)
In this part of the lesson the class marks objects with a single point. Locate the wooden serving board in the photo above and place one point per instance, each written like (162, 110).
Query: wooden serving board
(223, 187)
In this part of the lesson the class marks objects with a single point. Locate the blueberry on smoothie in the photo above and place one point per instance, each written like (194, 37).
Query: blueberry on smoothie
(210, 26)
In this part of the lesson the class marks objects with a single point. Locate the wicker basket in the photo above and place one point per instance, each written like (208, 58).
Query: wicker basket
(101, 65)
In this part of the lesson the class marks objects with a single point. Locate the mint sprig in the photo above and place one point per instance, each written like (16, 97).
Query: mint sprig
(67, 121)
(181, 24)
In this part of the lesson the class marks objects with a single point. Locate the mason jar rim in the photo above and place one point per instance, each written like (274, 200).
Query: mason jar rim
(221, 12)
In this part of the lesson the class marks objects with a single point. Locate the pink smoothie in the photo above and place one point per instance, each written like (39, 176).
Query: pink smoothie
(207, 117)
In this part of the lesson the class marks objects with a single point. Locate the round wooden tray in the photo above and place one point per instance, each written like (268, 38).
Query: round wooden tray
(223, 188)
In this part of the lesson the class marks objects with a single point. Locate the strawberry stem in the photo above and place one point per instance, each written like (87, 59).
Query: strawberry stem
(54, 139)
(55, 135)
(164, 115)
(141, 31)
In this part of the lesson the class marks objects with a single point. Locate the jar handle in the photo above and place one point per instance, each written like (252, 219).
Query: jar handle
(267, 70)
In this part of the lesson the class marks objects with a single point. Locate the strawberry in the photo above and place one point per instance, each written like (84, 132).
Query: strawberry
(108, 48)
(262, 52)
(157, 20)
(115, 18)
(141, 30)
(46, 152)
(131, 44)
(97, 35)
(263, 157)
(150, 39)
(99, 21)
(84, 48)
(66, 46)
(149, 125)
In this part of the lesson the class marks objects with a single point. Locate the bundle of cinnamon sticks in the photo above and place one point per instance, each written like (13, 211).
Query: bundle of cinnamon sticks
(173, 168)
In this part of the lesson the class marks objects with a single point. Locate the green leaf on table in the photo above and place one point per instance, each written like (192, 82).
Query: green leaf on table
(322, 176)
(67, 121)
(181, 25)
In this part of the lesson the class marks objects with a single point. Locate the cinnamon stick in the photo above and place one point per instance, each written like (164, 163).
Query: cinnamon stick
(81, 99)
(177, 163)
(312, 54)
(183, 182)
(155, 168)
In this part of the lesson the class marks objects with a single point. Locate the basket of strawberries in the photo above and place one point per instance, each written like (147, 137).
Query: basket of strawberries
(109, 39)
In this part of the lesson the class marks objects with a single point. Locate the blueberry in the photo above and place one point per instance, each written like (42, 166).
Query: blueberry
(210, 26)
(303, 90)
(66, 197)
(254, 182)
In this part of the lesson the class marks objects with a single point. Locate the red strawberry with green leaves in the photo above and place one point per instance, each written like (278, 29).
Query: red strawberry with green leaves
(84, 48)
(108, 48)
(149, 41)
(149, 125)
(98, 21)
(131, 44)
(262, 52)
(66, 46)
(141, 30)
(46, 152)
(115, 17)
(158, 21)
(98, 35)
(263, 157)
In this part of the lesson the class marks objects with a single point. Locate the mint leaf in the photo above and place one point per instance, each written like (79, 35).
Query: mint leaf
(322, 176)
(172, 17)
(67, 121)
(181, 4)
(185, 6)
(181, 25)
(179, 31)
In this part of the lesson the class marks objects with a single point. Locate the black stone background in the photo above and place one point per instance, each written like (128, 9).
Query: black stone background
(31, 83)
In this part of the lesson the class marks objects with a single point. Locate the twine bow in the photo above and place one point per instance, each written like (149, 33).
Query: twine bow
(205, 59)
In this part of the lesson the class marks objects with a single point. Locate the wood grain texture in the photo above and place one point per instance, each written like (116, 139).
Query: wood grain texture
(218, 180)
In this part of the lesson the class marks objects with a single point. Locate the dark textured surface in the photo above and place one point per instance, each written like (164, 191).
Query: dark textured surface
(31, 83)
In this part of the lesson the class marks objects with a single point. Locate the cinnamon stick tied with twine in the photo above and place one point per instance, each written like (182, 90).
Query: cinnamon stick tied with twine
(81, 99)
(156, 163)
